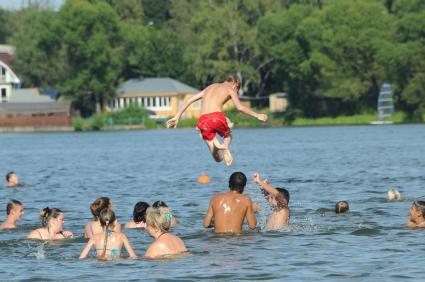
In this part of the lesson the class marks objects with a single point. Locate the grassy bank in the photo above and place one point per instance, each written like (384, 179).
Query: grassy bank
(347, 120)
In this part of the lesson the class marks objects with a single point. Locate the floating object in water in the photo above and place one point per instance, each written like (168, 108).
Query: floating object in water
(203, 179)
(393, 194)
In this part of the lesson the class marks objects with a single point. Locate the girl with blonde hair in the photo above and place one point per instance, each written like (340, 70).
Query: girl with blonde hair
(52, 220)
(158, 223)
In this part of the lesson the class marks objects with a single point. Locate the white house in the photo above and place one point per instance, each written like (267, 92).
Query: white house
(8, 78)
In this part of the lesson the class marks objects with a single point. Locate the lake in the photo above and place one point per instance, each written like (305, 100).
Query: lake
(318, 165)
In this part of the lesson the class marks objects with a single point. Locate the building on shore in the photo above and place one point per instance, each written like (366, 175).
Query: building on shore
(29, 107)
(163, 96)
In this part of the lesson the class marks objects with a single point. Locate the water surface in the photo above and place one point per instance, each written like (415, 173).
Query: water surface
(318, 165)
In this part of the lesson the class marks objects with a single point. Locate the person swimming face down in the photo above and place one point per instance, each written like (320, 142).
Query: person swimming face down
(393, 194)
(342, 207)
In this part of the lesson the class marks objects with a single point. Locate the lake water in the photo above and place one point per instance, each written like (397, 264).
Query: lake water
(318, 165)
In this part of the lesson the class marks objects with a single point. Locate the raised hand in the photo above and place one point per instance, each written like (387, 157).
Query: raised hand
(172, 122)
(262, 117)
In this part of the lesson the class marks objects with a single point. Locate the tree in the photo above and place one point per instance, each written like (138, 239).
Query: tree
(91, 41)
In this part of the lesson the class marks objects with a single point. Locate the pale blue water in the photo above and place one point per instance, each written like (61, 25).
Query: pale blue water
(318, 165)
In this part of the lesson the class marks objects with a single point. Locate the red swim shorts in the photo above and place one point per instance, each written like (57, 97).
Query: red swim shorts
(212, 123)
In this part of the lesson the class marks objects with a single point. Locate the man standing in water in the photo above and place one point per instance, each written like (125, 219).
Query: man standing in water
(212, 120)
(229, 209)
(14, 211)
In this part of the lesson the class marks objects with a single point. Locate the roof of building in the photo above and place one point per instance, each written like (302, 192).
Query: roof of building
(28, 95)
(154, 85)
(42, 107)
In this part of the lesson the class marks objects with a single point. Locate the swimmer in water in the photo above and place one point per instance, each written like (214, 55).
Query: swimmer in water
(14, 211)
(12, 180)
(158, 223)
(139, 216)
(109, 242)
(342, 207)
(417, 215)
(278, 199)
(227, 211)
(52, 220)
(212, 119)
(161, 204)
(393, 194)
(94, 227)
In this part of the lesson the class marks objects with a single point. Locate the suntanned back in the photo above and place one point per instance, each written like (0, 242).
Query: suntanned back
(215, 96)
(230, 209)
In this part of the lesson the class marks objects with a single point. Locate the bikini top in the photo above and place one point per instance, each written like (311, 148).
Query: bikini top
(115, 252)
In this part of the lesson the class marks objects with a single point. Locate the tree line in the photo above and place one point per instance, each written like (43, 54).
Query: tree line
(330, 56)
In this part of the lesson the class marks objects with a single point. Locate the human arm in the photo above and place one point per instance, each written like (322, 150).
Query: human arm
(67, 234)
(209, 217)
(250, 215)
(175, 120)
(243, 109)
(86, 249)
(128, 247)
(87, 231)
(410, 224)
(265, 185)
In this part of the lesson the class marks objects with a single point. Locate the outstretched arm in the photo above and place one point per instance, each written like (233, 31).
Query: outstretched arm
(241, 108)
(264, 185)
(175, 120)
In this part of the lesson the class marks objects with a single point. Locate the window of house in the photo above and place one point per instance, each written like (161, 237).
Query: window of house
(3, 71)
(3, 93)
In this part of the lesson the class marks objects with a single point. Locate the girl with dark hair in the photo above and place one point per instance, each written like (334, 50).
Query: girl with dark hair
(109, 242)
(93, 227)
(52, 220)
(139, 216)
(417, 215)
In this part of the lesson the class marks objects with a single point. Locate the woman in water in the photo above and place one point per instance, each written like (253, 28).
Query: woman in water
(158, 223)
(93, 227)
(52, 220)
(109, 242)
(417, 215)
(139, 216)
(161, 204)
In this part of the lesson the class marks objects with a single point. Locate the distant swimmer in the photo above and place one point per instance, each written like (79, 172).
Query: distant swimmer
(93, 227)
(158, 224)
(417, 215)
(227, 211)
(278, 199)
(12, 179)
(393, 194)
(52, 220)
(14, 211)
(139, 216)
(110, 241)
(342, 207)
(212, 119)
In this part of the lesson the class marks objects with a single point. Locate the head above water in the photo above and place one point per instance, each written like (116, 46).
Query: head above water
(420, 206)
(342, 207)
(159, 204)
(98, 205)
(106, 217)
(47, 214)
(237, 182)
(393, 194)
(234, 78)
(159, 219)
(139, 212)
(12, 205)
(12, 179)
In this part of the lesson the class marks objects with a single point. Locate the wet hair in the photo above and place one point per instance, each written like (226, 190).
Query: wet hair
(98, 205)
(139, 212)
(159, 218)
(341, 207)
(11, 205)
(420, 205)
(393, 194)
(9, 175)
(159, 204)
(234, 78)
(106, 219)
(47, 214)
(237, 182)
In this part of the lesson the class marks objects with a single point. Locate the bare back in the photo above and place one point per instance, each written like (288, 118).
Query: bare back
(215, 96)
(229, 211)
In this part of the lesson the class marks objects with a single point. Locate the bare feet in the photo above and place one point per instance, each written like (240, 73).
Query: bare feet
(228, 157)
